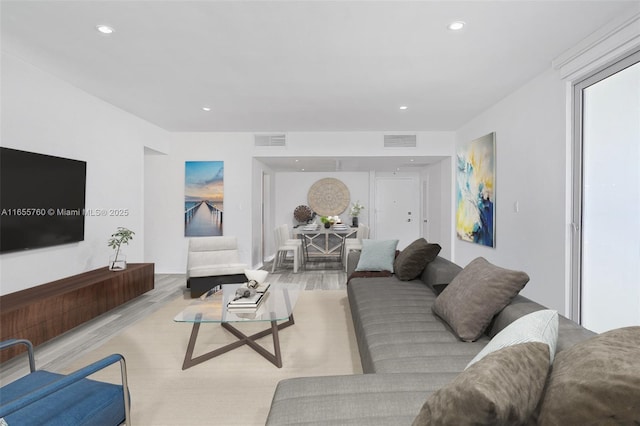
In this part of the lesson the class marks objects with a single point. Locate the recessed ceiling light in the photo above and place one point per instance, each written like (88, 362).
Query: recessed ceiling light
(403, 107)
(104, 29)
(206, 108)
(456, 26)
(302, 170)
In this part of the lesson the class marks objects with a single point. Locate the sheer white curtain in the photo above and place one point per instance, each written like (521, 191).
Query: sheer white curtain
(611, 202)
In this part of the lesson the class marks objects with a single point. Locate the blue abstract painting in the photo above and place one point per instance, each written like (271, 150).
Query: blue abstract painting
(475, 193)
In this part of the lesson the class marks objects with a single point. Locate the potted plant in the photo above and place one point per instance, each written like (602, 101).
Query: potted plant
(118, 261)
(329, 220)
(326, 221)
(356, 208)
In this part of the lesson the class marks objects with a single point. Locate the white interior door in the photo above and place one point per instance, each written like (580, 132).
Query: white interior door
(397, 209)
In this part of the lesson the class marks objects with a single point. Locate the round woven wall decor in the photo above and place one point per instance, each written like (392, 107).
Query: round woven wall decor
(328, 197)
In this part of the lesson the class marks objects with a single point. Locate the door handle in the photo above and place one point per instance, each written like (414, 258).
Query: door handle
(408, 220)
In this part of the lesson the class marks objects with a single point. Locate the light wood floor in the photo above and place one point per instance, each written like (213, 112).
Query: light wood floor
(58, 353)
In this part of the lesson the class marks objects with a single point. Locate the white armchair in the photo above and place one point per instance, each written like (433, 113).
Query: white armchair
(211, 262)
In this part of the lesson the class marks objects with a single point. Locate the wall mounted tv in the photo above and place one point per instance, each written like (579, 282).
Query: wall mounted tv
(41, 200)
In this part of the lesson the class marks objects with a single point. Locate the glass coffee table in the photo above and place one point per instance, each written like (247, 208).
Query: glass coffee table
(278, 305)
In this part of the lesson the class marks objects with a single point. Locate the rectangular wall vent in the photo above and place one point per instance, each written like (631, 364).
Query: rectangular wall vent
(271, 140)
(400, 141)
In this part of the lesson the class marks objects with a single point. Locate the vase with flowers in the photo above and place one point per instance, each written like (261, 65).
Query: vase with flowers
(356, 208)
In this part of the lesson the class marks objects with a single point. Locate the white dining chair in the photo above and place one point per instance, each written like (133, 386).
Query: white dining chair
(284, 245)
(354, 243)
(291, 239)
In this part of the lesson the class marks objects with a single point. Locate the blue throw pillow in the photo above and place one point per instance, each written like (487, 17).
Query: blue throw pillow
(377, 255)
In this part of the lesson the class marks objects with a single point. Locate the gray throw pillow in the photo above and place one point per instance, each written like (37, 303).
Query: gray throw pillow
(377, 255)
(414, 258)
(501, 389)
(595, 382)
(475, 295)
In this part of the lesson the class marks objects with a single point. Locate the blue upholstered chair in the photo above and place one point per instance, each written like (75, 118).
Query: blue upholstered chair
(42, 397)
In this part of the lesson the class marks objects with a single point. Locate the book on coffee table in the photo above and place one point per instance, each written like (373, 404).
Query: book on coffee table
(262, 288)
(244, 303)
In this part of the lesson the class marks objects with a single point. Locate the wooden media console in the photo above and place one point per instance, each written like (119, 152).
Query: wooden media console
(43, 312)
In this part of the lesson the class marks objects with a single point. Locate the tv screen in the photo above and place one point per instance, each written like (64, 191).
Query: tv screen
(41, 200)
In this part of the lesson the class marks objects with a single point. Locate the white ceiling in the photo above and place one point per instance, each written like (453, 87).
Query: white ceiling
(288, 66)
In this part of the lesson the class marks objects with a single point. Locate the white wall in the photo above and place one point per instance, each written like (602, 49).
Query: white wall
(530, 170)
(43, 114)
(165, 243)
(67, 122)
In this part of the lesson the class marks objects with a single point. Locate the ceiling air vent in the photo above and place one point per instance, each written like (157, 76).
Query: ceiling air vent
(399, 141)
(270, 140)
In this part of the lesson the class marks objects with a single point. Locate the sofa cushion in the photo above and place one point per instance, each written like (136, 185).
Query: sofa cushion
(215, 270)
(540, 326)
(475, 295)
(439, 273)
(369, 274)
(377, 255)
(414, 258)
(397, 332)
(360, 399)
(598, 378)
(569, 333)
(501, 389)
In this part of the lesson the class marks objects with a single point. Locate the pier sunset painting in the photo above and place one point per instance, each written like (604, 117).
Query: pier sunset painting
(203, 198)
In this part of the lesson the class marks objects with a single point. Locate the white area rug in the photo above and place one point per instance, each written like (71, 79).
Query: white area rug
(235, 388)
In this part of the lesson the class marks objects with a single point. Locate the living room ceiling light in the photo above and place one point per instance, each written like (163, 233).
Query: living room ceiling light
(206, 108)
(404, 107)
(104, 29)
(456, 26)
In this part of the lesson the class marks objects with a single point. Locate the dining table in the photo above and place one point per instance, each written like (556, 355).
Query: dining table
(320, 241)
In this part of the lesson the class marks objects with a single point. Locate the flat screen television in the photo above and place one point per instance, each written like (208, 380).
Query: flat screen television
(42, 200)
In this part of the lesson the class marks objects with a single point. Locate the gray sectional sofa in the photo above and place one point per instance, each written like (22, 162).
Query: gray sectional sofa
(407, 353)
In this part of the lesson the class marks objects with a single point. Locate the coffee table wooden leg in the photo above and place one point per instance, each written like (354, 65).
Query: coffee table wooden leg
(275, 358)
(190, 346)
(190, 361)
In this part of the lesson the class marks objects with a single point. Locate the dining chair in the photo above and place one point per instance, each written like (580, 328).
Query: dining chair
(291, 239)
(284, 245)
(354, 243)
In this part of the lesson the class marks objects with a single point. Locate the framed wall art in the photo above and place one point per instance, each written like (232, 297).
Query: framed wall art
(475, 191)
(203, 198)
